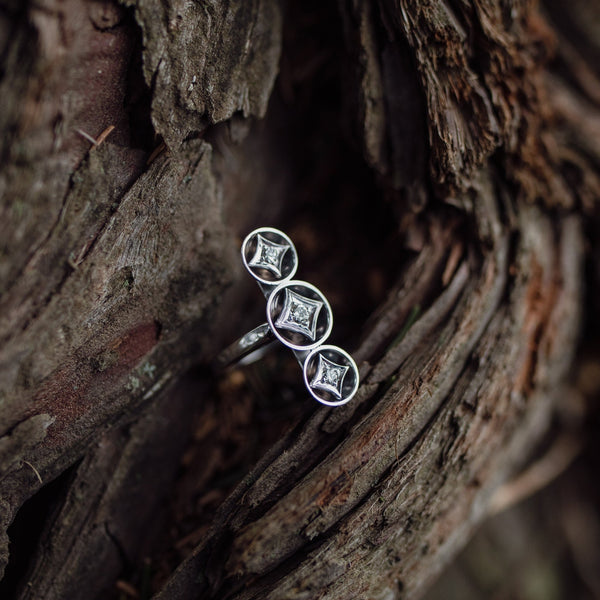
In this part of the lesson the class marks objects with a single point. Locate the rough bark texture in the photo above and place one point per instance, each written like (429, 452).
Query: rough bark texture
(141, 140)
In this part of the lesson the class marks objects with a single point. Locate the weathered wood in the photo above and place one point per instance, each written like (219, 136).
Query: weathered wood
(117, 251)
(112, 268)
(374, 505)
(103, 521)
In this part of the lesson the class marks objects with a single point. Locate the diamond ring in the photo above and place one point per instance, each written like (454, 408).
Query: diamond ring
(298, 315)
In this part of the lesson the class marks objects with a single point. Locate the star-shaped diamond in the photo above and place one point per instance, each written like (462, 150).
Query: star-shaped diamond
(329, 377)
(299, 314)
(268, 255)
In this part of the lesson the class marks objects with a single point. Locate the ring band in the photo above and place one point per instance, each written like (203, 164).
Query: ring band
(248, 344)
(298, 315)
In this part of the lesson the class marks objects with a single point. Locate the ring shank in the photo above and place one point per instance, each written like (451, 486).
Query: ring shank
(251, 342)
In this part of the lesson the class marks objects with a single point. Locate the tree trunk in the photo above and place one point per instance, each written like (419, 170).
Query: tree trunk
(435, 163)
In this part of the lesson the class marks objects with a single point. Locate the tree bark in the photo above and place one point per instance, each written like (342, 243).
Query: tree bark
(450, 147)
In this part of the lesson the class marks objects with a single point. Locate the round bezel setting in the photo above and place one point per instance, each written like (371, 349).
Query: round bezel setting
(269, 255)
(299, 315)
(331, 375)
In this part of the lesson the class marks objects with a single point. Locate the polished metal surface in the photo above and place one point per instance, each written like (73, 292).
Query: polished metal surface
(270, 257)
(298, 315)
(330, 375)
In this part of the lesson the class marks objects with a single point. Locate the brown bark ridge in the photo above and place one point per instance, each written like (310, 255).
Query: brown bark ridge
(133, 146)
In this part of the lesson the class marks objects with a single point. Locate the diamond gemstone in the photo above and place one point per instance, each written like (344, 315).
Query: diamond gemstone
(329, 377)
(268, 255)
(299, 314)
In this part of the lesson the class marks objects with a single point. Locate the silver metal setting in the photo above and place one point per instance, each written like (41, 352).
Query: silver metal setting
(298, 315)
(331, 375)
(270, 256)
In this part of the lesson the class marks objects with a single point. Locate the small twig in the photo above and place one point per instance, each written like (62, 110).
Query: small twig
(75, 261)
(158, 150)
(37, 473)
(452, 263)
(537, 476)
(87, 136)
(127, 589)
(101, 137)
(105, 134)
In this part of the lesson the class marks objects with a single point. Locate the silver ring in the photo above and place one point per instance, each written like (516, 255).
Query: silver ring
(298, 315)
